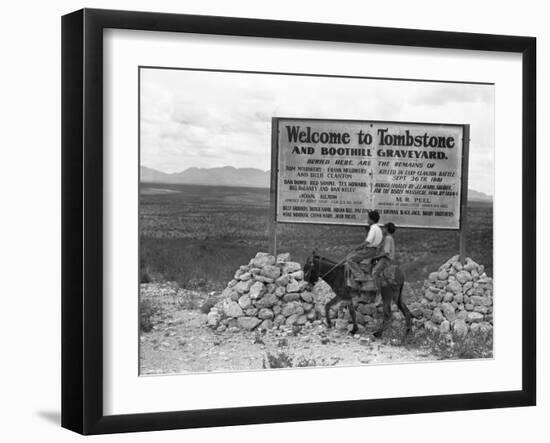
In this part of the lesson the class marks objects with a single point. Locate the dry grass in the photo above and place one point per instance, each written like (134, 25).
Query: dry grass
(285, 360)
(199, 235)
(280, 360)
(149, 311)
(443, 345)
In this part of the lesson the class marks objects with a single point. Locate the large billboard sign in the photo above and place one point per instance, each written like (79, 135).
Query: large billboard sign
(335, 171)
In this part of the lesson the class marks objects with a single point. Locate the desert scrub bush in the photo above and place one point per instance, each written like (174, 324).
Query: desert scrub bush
(144, 276)
(451, 345)
(284, 360)
(195, 283)
(258, 338)
(304, 362)
(190, 300)
(149, 312)
(208, 304)
(474, 345)
(274, 361)
(282, 342)
(195, 300)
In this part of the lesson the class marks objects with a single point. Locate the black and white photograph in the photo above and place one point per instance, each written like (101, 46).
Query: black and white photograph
(290, 220)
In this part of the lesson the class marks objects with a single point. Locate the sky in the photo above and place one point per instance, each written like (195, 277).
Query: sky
(209, 119)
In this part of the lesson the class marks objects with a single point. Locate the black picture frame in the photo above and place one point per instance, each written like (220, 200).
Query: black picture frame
(82, 218)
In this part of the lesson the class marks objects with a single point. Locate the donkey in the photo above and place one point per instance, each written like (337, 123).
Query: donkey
(333, 274)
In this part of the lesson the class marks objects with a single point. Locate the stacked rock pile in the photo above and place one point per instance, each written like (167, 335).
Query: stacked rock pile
(267, 292)
(456, 298)
(368, 313)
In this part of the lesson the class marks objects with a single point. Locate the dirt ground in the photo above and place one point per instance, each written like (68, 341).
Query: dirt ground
(181, 342)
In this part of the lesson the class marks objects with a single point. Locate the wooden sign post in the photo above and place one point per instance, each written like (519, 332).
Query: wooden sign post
(464, 193)
(273, 188)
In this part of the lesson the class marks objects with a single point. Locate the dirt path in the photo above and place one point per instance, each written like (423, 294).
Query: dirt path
(181, 342)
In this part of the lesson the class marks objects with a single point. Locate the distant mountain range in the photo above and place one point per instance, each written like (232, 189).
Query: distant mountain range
(224, 176)
(478, 196)
(230, 176)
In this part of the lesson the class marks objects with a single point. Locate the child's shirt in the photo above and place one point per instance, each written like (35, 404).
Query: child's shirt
(389, 247)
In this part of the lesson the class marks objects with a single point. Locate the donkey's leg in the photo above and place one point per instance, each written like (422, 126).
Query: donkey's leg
(405, 310)
(329, 305)
(352, 313)
(387, 302)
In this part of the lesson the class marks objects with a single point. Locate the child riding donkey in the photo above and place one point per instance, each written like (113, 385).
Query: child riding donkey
(353, 277)
(378, 249)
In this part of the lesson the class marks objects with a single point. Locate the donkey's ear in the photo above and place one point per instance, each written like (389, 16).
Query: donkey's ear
(314, 253)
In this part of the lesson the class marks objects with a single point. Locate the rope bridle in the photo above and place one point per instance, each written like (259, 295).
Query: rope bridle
(341, 262)
(330, 270)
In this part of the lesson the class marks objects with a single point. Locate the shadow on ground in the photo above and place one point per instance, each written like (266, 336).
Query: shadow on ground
(54, 417)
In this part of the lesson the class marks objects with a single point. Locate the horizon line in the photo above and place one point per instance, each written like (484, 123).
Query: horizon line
(234, 167)
(198, 167)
